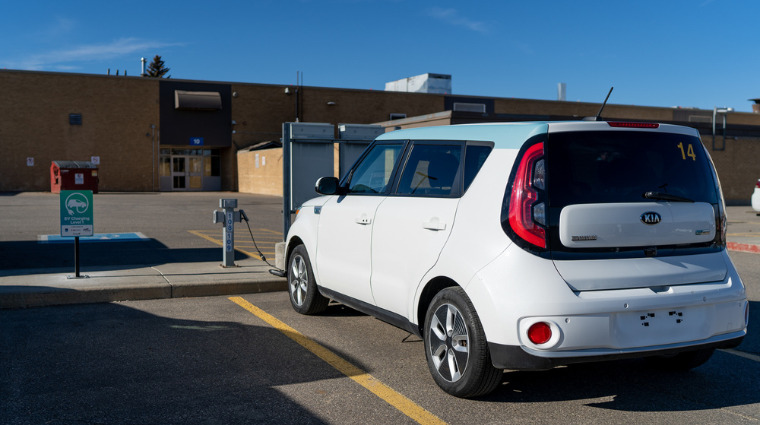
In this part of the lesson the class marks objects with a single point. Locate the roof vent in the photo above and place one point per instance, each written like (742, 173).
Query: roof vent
(479, 108)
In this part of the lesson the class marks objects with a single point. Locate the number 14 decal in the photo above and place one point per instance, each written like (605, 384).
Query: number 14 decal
(688, 152)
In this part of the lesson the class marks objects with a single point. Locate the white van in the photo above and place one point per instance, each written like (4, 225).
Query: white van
(527, 246)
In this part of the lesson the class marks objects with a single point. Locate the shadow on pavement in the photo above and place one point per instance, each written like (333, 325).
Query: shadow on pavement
(19, 255)
(108, 363)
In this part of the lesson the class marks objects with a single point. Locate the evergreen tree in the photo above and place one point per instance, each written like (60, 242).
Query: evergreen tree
(156, 69)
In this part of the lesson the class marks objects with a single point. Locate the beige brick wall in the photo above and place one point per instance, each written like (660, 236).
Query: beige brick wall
(117, 113)
(738, 166)
(266, 179)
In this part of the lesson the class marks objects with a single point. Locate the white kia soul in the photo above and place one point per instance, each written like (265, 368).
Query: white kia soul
(527, 246)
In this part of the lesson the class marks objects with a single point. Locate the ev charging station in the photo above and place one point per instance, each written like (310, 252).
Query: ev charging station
(228, 217)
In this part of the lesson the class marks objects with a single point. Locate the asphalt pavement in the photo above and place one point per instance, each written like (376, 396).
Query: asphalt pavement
(164, 245)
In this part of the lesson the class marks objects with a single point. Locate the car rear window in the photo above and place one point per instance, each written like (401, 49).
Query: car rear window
(615, 166)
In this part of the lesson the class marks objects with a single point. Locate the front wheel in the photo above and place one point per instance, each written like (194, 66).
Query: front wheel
(304, 294)
(456, 347)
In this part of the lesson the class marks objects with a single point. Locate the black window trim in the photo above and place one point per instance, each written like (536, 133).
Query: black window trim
(344, 182)
(406, 149)
(407, 154)
(464, 159)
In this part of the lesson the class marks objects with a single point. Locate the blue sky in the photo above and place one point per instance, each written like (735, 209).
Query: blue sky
(700, 53)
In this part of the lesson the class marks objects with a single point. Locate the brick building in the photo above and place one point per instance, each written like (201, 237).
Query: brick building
(165, 135)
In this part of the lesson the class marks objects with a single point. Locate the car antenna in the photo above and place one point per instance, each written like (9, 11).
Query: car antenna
(599, 114)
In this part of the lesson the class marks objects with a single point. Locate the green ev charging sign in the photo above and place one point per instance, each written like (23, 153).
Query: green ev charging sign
(76, 213)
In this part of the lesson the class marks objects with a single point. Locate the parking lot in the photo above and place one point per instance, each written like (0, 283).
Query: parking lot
(249, 358)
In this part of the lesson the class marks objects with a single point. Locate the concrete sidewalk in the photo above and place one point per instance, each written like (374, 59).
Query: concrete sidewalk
(23, 288)
(44, 287)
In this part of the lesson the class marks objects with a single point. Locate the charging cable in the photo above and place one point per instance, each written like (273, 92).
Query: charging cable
(275, 270)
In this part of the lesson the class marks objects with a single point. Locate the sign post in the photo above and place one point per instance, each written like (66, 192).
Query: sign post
(76, 219)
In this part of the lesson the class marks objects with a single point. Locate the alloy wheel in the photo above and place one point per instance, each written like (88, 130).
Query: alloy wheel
(299, 280)
(449, 342)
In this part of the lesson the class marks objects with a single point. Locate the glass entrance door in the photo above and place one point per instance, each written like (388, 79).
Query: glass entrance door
(179, 172)
(190, 169)
(195, 172)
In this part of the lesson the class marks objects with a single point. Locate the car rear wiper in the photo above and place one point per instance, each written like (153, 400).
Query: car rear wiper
(665, 197)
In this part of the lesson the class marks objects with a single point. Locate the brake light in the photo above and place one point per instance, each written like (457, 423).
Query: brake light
(757, 183)
(525, 212)
(633, 124)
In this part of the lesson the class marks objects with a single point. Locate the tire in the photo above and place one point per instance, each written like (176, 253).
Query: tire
(304, 294)
(682, 362)
(456, 348)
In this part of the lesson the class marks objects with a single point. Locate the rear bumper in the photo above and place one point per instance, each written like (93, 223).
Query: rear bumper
(523, 358)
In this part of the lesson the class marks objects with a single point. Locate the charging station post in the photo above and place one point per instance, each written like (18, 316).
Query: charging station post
(228, 217)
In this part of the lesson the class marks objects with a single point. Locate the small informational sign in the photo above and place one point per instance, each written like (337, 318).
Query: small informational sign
(196, 141)
(30, 161)
(229, 238)
(78, 178)
(95, 160)
(76, 213)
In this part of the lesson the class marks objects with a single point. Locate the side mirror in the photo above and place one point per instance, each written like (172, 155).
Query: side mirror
(327, 185)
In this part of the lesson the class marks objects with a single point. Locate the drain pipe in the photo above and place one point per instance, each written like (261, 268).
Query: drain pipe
(725, 112)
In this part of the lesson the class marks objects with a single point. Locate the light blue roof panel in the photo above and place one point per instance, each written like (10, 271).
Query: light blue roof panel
(503, 135)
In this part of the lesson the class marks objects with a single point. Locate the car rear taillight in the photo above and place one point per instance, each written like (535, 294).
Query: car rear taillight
(634, 124)
(757, 183)
(540, 333)
(721, 234)
(526, 213)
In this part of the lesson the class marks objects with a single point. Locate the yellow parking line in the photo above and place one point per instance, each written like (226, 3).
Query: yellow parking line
(208, 238)
(750, 234)
(395, 399)
(220, 243)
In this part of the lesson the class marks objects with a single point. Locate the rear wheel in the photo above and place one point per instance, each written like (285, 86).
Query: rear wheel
(304, 294)
(456, 347)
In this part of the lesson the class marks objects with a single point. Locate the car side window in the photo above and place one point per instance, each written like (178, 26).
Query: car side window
(474, 158)
(373, 173)
(432, 170)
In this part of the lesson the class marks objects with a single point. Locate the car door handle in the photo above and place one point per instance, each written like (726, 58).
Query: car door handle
(434, 224)
(363, 220)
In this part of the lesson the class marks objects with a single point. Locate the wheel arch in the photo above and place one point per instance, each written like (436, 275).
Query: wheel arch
(292, 244)
(433, 287)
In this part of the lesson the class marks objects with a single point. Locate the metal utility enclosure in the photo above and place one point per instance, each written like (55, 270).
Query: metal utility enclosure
(308, 154)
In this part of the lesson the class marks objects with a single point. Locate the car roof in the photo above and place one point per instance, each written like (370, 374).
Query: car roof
(503, 135)
(513, 135)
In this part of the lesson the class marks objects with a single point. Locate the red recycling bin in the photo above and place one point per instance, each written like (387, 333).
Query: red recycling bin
(73, 175)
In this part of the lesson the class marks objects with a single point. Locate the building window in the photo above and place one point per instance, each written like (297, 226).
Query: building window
(75, 119)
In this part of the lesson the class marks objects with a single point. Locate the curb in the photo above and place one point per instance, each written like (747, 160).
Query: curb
(47, 296)
(743, 247)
